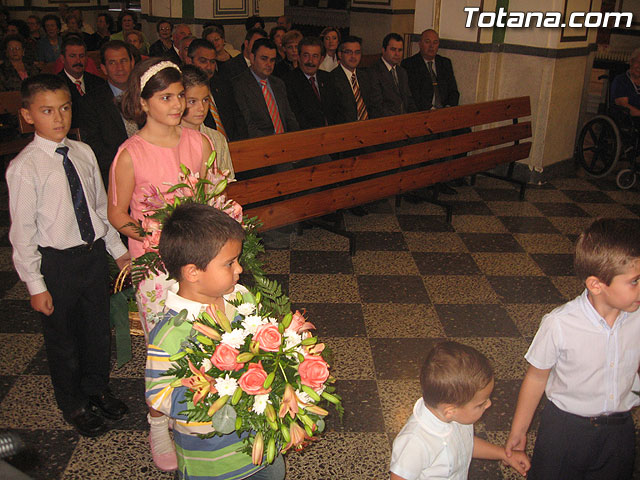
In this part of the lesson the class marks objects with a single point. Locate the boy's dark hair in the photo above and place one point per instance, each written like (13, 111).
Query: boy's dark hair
(252, 20)
(263, 42)
(53, 17)
(72, 40)
(44, 82)
(195, 234)
(606, 249)
(349, 39)
(453, 373)
(114, 45)
(199, 43)
(389, 37)
(130, 105)
(193, 76)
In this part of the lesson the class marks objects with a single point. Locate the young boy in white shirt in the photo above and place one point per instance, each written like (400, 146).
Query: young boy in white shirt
(585, 357)
(437, 442)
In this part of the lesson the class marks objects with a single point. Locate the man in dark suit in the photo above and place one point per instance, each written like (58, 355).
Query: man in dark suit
(390, 80)
(431, 90)
(241, 63)
(101, 123)
(80, 83)
(356, 97)
(261, 97)
(224, 114)
(310, 91)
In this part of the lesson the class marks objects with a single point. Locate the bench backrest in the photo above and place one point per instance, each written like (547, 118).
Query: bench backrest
(307, 192)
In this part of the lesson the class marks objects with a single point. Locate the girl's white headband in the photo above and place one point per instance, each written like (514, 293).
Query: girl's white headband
(146, 76)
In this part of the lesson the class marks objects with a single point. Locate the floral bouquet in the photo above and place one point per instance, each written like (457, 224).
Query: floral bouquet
(262, 372)
(159, 206)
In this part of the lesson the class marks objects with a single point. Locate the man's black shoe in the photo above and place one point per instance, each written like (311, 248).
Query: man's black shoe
(446, 189)
(108, 405)
(87, 421)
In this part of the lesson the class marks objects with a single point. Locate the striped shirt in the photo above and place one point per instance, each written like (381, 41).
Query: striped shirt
(215, 458)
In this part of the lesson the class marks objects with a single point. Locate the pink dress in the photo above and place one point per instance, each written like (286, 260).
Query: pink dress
(155, 166)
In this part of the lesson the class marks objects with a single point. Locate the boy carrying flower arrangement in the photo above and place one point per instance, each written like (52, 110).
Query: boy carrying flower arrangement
(242, 386)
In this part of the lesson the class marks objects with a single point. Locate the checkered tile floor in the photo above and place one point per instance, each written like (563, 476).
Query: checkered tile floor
(485, 280)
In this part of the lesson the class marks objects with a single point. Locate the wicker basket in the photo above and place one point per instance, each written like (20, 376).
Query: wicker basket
(135, 327)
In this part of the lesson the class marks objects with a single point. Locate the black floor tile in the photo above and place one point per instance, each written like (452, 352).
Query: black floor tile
(469, 208)
(381, 206)
(399, 358)
(18, 317)
(634, 208)
(528, 225)
(362, 407)
(476, 321)
(392, 289)
(588, 196)
(334, 319)
(498, 194)
(39, 364)
(436, 263)
(303, 261)
(526, 290)
(554, 264)
(6, 382)
(7, 281)
(131, 392)
(424, 223)
(386, 241)
(46, 452)
(560, 209)
(490, 242)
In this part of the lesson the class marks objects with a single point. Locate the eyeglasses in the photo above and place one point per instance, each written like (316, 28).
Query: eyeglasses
(352, 52)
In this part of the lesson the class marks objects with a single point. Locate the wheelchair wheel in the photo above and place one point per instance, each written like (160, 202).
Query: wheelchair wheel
(599, 145)
(626, 178)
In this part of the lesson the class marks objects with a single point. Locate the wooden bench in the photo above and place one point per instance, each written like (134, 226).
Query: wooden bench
(409, 155)
(10, 104)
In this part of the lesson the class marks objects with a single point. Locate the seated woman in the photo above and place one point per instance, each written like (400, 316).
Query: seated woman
(290, 42)
(126, 22)
(215, 35)
(74, 27)
(277, 34)
(20, 27)
(14, 69)
(625, 89)
(104, 29)
(330, 37)
(134, 38)
(49, 44)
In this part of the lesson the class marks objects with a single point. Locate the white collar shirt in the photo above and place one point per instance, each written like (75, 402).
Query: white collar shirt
(349, 74)
(177, 303)
(429, 449)
(74, 80)
(594, 367)
(41, 208)
(329, 63)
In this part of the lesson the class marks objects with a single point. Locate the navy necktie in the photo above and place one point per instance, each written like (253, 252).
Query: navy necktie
(80, 207)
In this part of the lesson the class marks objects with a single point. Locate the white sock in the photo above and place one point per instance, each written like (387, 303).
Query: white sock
(160, 438)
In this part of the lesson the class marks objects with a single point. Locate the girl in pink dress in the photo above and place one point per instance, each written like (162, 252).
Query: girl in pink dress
(154, 99)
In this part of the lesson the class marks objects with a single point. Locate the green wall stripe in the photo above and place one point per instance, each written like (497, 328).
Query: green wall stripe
(498, 33)
(187, 9)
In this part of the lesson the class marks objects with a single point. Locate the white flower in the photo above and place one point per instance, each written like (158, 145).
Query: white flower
(246, 309)
(206, 363)
(303, 397)
(252, 322)
(235, 338)
(273, 320)
(260, 403)
(292, 339)
(226, 385)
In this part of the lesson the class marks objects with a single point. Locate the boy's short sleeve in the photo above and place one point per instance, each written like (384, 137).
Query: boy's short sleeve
(545, 347)
(409, 457)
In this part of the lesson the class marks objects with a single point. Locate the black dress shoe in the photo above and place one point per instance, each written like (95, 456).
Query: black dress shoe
(108, 405)
(87, 421)
(446, 189)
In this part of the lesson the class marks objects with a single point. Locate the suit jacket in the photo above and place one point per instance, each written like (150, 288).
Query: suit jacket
(91, 83)
(421, 86)
(309, 111)
(101, 126)
(234, 67)
(230, 114)
(396, 100)
(254, 109)
(346, 108)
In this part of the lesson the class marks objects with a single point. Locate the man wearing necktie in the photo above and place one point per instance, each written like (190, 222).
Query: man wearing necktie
(74, 58)
(261, 97)
(310, 90)
(390, 79)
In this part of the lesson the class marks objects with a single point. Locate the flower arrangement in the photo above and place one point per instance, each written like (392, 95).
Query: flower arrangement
(159, 206)
(262, 372)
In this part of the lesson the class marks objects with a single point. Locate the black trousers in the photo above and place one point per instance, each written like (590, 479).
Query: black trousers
(77, 335)
(569, 447)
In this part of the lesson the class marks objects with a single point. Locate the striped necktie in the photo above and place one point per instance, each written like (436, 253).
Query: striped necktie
(216, 116)
(272, 107)
(79, 87)
(362, 108)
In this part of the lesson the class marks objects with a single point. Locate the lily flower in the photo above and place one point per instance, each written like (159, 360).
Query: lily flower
(207, 331)
(258, 448)
(201, 383)
(289, 402)
(298, 436)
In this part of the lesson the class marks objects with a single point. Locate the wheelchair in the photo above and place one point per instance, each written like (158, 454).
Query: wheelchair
(610, 136)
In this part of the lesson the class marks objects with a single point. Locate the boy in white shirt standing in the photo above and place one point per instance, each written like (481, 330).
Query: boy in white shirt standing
(585, 357)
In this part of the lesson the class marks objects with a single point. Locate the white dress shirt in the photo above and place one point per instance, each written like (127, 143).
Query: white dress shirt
(329, 63)
(41, 208)
(593, 366)
(429, 449)
(74, 80)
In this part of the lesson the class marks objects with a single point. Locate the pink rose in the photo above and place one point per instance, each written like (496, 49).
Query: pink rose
(252, 380)
(150, 242)
(234, 210)
(224, 358)
(150, 225)
(269, 337)
(314, 371)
